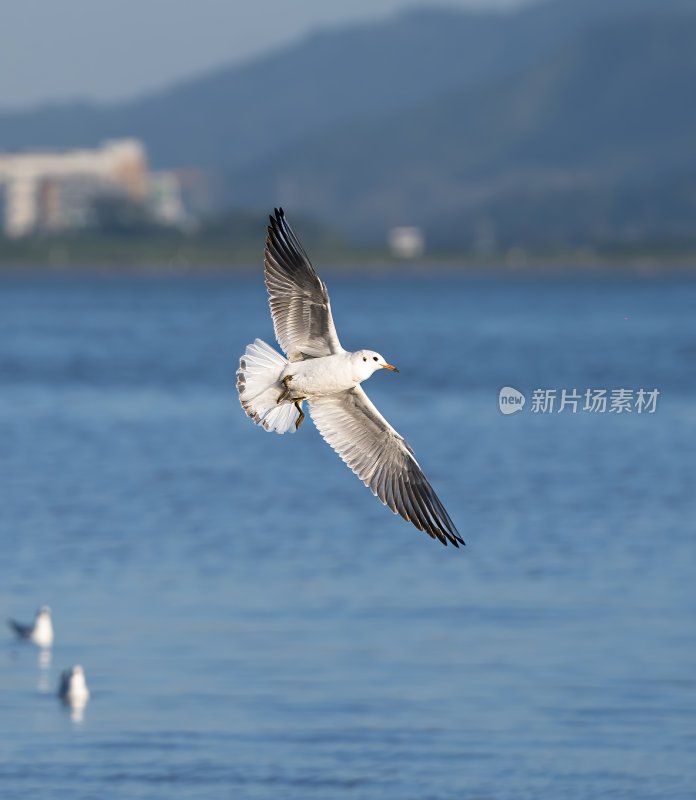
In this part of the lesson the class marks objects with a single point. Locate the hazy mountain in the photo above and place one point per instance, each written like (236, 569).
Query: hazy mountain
(235, 116)
(519, 126)
(559, 151)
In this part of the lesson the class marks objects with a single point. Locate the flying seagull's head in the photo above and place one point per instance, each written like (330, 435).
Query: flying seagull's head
(44, 611)
(368, 362)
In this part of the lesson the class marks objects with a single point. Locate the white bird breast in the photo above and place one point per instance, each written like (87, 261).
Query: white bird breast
(320, 377)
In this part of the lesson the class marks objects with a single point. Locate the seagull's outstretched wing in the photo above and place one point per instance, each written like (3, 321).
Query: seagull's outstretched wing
(380, 457)
(23, 631)
(299, 301)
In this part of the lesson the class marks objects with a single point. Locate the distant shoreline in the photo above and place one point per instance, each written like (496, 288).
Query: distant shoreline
(163, 255)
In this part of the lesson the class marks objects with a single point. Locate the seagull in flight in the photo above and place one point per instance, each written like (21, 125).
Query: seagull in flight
(40, 631)
(317, 369)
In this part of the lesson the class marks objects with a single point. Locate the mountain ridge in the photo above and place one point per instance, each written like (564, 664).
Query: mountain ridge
(237, 114)
(585, 119)
(444, 118)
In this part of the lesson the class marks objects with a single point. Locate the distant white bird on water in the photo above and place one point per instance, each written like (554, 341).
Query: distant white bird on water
(40, 631)
(72, 689)
(317, 369)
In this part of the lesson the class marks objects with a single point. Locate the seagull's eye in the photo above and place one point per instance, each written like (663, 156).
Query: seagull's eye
(374, 358)
(364, 358)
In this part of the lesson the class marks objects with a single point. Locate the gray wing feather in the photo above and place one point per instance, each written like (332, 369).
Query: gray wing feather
(23, 631)
(64, 686)
(380, 457)
(298, 298)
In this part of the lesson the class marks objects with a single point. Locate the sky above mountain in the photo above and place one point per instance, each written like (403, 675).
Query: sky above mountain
(107, 50)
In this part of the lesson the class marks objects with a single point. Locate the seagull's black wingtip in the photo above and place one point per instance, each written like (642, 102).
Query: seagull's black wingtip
(276, 219)
(454, 539)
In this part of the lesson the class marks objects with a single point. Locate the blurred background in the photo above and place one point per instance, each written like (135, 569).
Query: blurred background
(498, 194)
(493, 131)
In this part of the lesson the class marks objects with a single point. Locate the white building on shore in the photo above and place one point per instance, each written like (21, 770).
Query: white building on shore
(406, 241)
(50, 190)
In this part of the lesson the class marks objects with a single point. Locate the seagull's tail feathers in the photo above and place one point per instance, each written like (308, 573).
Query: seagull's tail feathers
(259, 387)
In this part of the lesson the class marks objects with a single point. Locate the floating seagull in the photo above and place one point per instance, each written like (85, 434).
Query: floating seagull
(73, 691)
(73, 686)
(40, 632)
(318, 370)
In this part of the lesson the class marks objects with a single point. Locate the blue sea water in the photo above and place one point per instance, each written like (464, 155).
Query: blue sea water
(254, 624)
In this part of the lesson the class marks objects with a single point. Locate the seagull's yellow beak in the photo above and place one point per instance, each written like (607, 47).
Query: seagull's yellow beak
(390, 366)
